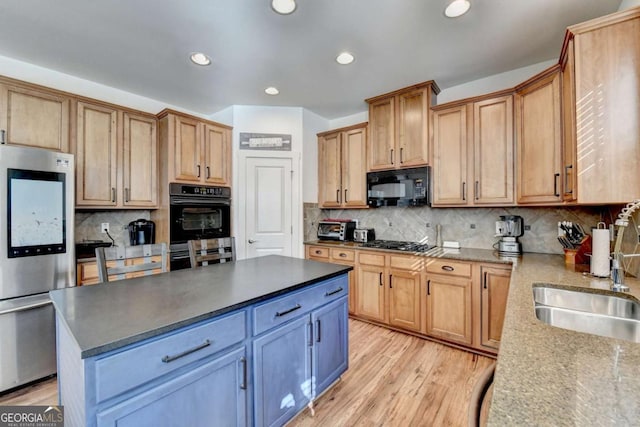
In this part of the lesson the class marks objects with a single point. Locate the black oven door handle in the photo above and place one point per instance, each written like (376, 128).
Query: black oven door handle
(175, 201)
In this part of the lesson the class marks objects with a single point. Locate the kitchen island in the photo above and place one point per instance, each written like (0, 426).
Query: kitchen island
(250, 342)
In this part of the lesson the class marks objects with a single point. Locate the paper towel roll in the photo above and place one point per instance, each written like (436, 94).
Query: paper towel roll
(600, 253)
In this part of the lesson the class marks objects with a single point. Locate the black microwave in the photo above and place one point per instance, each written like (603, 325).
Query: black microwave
(400, 187)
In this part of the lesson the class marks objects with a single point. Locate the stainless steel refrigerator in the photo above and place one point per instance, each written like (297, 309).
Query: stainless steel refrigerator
(36, 256)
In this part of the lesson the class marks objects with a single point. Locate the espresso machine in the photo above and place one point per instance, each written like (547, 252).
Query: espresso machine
(509, 228)
(142, 232)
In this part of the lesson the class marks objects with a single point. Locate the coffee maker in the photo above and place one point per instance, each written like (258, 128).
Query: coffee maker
(142, 232)
(509, 228)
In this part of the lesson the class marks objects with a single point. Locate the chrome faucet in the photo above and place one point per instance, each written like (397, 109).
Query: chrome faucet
(617, 270)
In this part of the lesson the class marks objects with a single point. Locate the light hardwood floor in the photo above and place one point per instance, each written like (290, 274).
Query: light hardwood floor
(393, 380)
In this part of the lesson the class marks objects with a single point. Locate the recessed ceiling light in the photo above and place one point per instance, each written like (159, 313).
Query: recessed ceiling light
(271, 91)
(345, 58)
(457, 8)
(200, 58)
(283, 7)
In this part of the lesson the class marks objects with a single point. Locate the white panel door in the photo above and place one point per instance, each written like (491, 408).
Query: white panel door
(269, 226)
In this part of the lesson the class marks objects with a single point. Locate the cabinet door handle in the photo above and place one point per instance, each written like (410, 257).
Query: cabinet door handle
(484, 280)
(392, 156)
(390, 281)
(198, 171)
(555, 184)
(381, 279)
(447, 268)
(317, 330)
(291, 310)
(345, 195)
(338, 196)
(310, 331)
(3, 134)
(428, 287)
(126, 195)
(476, 190)
(205, 344)
(337, 291)
(464, 191)
(243, 362)
(401, 149)
(113, 194)
(208, 172)
(566, 179)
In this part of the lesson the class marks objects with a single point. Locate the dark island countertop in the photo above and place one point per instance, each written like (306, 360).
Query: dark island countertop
(112, 315)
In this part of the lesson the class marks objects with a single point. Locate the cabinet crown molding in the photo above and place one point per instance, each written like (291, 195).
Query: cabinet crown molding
(164, 113)
(430, 83)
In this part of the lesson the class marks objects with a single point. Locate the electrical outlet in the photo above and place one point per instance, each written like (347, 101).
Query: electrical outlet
(104, 227)
(428, 224)
(473, 226)
(527, 228)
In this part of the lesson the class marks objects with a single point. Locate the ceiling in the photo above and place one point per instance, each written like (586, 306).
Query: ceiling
(143, 47)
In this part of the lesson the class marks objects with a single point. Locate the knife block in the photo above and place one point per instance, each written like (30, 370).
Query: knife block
(579, 254)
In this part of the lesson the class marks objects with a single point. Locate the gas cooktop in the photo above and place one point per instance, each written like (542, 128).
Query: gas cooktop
(398, 245)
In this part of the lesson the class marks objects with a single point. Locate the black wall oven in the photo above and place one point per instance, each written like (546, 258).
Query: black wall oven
(196, 212)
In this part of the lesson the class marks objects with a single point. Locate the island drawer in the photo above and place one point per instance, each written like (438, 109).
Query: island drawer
(281, 310)
(127, 369)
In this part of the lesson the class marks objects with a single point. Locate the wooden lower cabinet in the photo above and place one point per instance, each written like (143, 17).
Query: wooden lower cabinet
(371, 292)
(404, 299)
(449, 308)
(87, 272)
(495, 289)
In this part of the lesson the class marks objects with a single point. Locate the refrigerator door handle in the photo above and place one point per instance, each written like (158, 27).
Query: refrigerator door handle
(25, 307)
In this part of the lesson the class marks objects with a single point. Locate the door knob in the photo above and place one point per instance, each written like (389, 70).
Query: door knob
(251, 241)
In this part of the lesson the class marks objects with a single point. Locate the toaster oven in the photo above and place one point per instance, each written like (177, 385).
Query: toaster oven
(336, 230)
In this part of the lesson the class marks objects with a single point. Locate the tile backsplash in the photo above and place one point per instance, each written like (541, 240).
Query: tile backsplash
(88, 224)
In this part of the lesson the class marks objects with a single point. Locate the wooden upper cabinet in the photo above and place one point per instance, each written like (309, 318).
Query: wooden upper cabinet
(341, 167)
(568, 104)
(198, 151)
(140, 160)
(96, 150)
(539, 139)
(116, 157)
(607, 106)
(493, 151)
(399, 127)
(34, 118)
(450, 142)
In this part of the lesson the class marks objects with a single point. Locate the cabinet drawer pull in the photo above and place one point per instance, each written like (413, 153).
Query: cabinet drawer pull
(381, 279)
(198, 171)
(566, 179)
(291, 310)
(113, 194)
(428, 287)
(243, 362)
(318, 252)
(205, 344)
(555, 184)
(208, 171)
(337, 291)
(447, 268)
(318, 330)
(342, 255)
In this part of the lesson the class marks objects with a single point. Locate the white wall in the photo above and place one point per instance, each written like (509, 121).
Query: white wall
(53, 79)
(223, 116)
(353, 119)
(493, 83)
(312, 124)
(626, 4)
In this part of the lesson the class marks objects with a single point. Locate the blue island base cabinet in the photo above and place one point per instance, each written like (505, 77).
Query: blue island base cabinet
(259, 364)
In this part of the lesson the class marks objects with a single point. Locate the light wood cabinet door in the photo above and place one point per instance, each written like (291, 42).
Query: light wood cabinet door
(140, 161)
(34, 118)
(354, 168)
(607, 95)
(413, 128)
(495, 289)
(329, 172)
(382, 135)
(449, 308)
(187, 149)
(370, 292)
(96, 151)
(217, 155)
(493, 151)
(539, 141)
(450, 142)
(404, 299)
(569, 146)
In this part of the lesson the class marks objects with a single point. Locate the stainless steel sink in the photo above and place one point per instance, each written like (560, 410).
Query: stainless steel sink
(604, 315)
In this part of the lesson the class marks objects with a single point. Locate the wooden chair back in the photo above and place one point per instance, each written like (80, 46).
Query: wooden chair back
(211, 251)
(125, 262)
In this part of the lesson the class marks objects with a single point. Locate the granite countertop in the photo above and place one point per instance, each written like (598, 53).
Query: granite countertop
(111, 315)
(551, 376)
